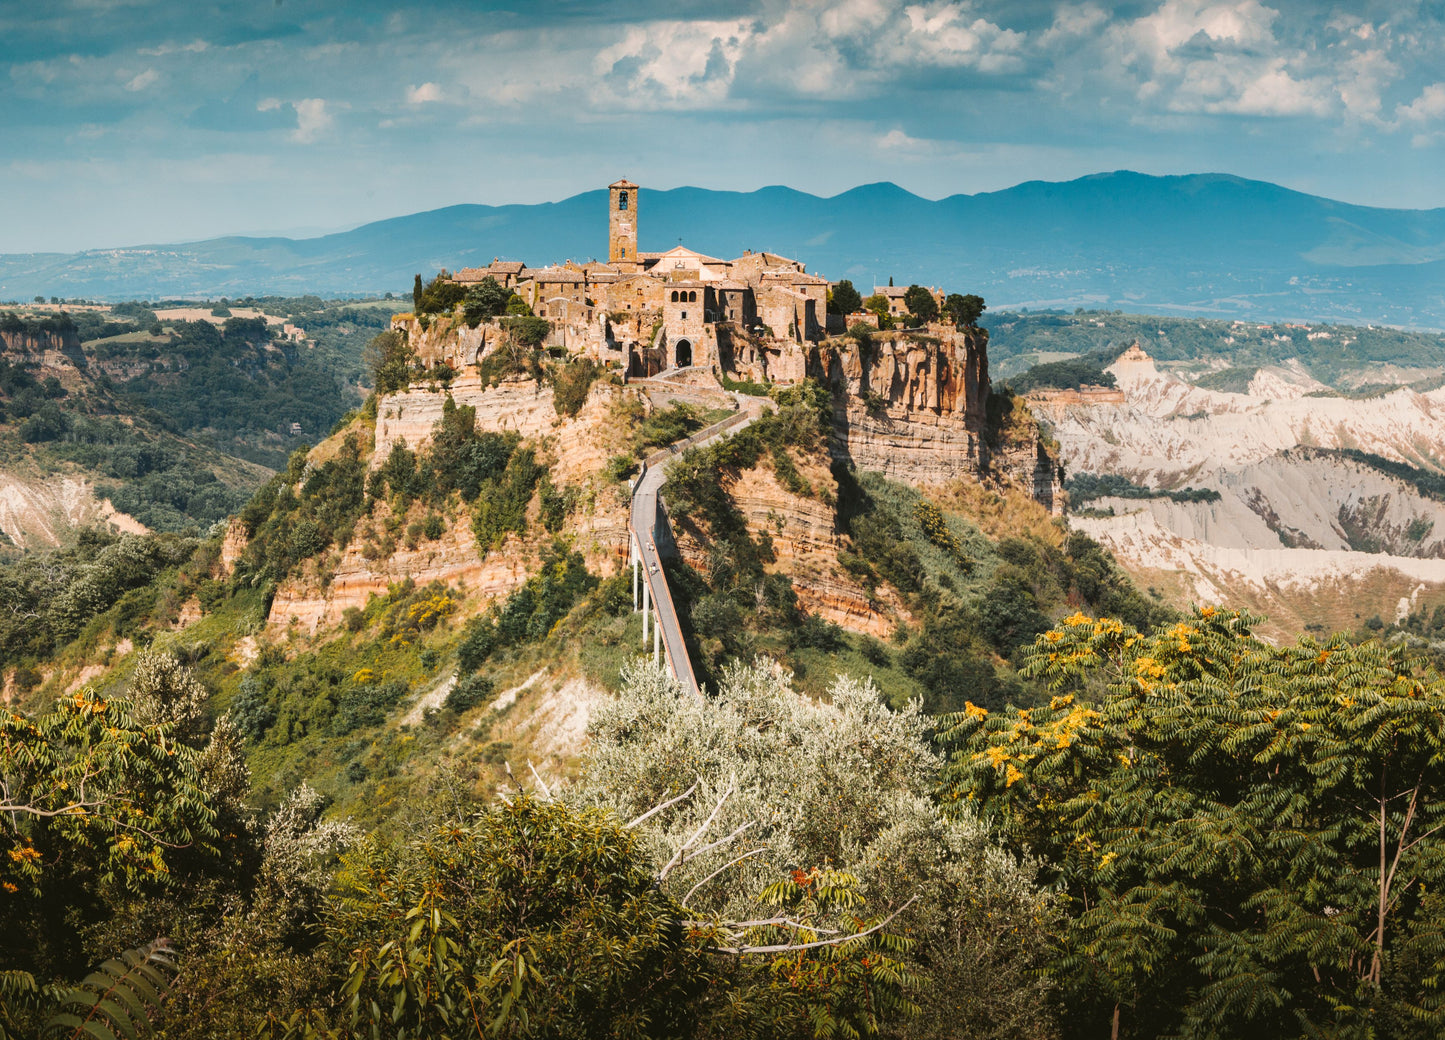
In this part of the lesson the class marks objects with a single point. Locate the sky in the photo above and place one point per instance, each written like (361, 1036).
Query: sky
(126, 122)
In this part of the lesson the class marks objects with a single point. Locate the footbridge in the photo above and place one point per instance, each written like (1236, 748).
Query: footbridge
(647, 524)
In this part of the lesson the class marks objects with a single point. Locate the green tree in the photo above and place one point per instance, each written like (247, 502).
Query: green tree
(921, 303)
(1249, 836)
(844, 299)
(964, 310)
(416, 290)
(878, 304)
(391, 361)
(485, 301)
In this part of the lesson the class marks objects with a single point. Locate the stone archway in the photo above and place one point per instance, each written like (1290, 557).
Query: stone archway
(684, 353)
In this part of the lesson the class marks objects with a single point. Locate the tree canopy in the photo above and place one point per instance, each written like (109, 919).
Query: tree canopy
(1247, 835)
(844, 299)
(921, 303)
(964, 310)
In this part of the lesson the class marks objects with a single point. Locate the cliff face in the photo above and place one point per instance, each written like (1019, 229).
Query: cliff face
(805, 540)
(918, 410)
(56, 348)
(576, 448)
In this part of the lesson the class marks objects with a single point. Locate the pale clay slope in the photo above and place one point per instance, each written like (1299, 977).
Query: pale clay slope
(39, 513)
(1168, 433)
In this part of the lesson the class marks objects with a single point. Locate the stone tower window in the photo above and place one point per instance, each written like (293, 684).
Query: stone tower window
(621, 201)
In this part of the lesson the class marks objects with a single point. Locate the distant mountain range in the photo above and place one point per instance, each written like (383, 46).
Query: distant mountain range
(1206, 244)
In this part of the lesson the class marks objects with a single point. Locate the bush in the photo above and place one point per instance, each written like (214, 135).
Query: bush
(571, 383)
(468, 693)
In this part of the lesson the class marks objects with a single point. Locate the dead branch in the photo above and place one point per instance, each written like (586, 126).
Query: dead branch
(792, 947)
(680, 856)
(732, 863)
(658, 808)
(547, 791)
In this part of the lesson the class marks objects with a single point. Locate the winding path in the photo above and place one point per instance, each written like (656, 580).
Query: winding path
(647, 519)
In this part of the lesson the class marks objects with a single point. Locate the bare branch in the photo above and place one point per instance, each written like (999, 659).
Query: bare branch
(678, 857)
(540, 782)
(658, 808)
(790, 947)
(737, 926)
(692, 891)
(721, 841)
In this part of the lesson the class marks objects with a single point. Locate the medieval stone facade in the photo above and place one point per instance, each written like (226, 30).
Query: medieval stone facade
(679, 309)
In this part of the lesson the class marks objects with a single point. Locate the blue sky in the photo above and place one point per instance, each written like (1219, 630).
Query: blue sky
(133, 121)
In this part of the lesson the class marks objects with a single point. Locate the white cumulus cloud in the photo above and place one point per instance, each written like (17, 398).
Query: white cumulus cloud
(423, 94)
(142, 80)
(312, 119)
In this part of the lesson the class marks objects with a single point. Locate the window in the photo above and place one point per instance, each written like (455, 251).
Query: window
(621, 201)
(692, 297)
(684, 315)
(674, 296)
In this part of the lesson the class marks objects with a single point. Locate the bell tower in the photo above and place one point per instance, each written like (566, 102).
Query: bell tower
(622, 222)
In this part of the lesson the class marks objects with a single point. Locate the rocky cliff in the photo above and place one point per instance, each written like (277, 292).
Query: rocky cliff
(577, 449)
(51, 344)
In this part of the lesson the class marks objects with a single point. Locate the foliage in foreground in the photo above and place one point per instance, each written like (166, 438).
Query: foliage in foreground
(1248, 835)
(847, 786)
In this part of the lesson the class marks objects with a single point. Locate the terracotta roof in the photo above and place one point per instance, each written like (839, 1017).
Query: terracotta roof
(624, 183)
(689, 254)
(470, 274)
(893, 292)
(730, 285)
(553, 275)
(795, 277)
(509, 266)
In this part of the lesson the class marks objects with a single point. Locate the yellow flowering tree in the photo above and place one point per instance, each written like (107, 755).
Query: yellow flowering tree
(1251, 837)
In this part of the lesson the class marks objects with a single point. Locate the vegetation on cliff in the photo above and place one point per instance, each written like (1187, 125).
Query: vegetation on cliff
(898, 836)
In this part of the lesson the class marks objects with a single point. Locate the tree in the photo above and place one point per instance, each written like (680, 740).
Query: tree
(844, 785)
(485, 300)
(1249, 836)
(921, 303)
(845, 299)
(416, 291)
(529, 920)
(964, 310)
(878, 304)
(391, 360)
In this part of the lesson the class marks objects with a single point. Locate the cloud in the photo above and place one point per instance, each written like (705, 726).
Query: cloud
(1217, 57)
(1426, 108)
(312, 119)
(423, 94)
(142, 80)
(194, 47)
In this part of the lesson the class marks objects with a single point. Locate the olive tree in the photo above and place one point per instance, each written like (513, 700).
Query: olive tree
(846, 786)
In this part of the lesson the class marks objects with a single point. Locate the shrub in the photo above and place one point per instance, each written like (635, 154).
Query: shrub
(468, 693)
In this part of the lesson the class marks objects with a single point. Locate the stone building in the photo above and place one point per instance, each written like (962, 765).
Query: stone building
(654, 312)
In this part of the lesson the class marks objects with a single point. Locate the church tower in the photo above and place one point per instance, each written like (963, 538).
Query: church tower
(622, 222)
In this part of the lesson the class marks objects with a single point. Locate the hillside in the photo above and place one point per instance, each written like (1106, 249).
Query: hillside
(1315, 508)
(1204, 244)
(1219, 354)
(417, 628)
(162, 418)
